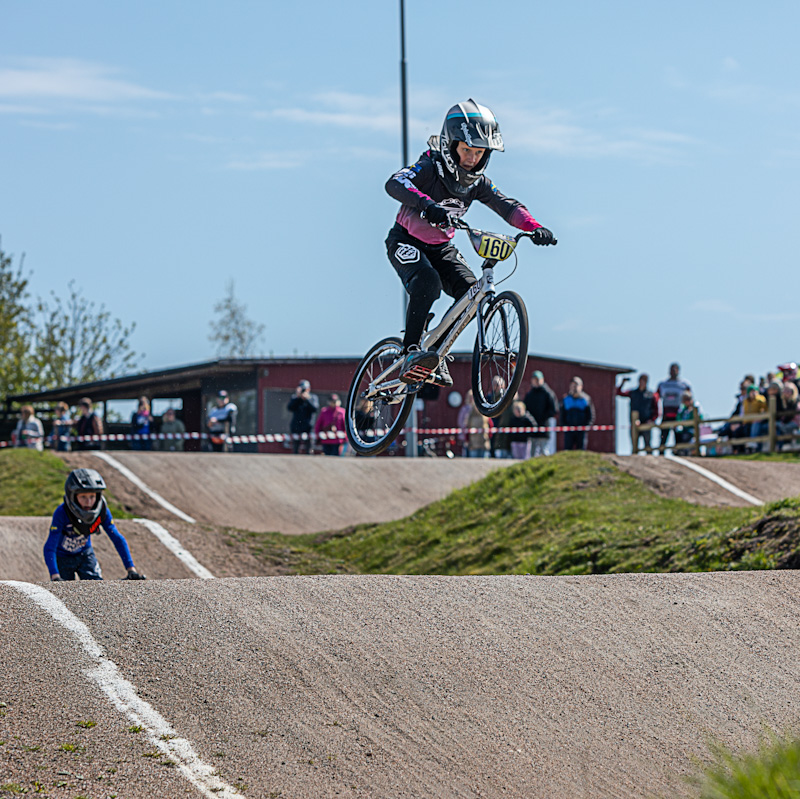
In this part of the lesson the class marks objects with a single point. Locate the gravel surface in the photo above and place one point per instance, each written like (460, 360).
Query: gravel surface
(391, 687)
(285, 493)
(763, 480)
(394, 687)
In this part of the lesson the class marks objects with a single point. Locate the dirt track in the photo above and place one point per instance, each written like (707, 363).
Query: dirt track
(409, 687)
(763, 480)
(377, 686)
(285, 493)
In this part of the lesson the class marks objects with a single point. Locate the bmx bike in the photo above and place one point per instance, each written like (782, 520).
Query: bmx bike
(379, 403)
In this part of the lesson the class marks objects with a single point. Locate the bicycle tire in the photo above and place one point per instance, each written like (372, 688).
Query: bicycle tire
(505, 330)
(373, 431)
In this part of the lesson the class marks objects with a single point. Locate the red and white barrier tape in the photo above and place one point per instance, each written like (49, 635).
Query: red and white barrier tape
(277, 438)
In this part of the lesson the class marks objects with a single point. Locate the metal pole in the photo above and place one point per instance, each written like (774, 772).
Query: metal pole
(411, 436)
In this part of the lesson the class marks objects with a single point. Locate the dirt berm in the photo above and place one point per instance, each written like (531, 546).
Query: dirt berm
(285, 493)
(392, 687)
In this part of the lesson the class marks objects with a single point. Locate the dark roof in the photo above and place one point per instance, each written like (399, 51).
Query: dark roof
(180, 379)
(177, 379)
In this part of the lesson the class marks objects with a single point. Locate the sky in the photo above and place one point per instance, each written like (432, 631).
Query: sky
(155, 151)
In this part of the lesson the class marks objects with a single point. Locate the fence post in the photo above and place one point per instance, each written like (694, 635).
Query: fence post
(696, 425)
(634, 433)
(773, 407)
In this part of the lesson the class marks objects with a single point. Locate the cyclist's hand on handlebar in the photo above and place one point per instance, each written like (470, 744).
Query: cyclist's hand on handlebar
(543, 236)
(436, 215)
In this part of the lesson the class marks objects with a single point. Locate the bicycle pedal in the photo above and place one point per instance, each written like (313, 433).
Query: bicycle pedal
(416, 374)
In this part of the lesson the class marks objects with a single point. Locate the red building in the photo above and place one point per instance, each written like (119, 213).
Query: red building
(262, 387)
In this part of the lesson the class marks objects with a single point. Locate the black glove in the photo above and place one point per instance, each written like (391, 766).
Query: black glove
(134, 575)
(543, 236)
(57, 579)
(436, 215)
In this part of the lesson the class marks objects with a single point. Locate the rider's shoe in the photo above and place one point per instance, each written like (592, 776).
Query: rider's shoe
(418, 365)
(442, 375)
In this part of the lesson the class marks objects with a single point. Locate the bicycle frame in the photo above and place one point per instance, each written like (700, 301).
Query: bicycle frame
(459, 316)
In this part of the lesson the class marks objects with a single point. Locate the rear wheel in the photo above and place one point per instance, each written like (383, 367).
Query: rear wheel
(498, 367)
(375, 418)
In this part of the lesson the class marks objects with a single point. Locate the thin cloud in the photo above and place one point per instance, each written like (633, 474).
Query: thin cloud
(267, 161)
(561, 132)
(716, 306)
(71, 80)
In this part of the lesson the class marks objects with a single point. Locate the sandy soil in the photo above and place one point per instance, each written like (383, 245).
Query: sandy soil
(761, 479)
(285, 493)
(390, 687)
(398, 687)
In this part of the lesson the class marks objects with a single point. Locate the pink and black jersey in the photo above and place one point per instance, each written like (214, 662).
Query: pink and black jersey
(427, 182)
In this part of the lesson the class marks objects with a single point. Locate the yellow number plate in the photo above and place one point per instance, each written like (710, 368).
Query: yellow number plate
(493, 245)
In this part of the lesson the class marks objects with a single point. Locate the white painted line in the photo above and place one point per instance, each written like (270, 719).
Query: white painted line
(122, 694)
(716, 479)
(176, 548)
(124, 470)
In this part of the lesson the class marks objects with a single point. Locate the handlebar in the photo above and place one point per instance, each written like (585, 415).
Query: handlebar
(460, 224)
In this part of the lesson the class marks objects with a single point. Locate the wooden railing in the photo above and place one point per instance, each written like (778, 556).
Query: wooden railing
(699, 444)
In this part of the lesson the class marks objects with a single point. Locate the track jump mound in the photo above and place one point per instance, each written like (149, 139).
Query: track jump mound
(22, 540)
(669, 478)
(436, 687)
(285, 493)
(213, 551)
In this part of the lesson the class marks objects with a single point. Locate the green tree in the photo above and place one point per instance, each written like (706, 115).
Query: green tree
(77, 342)
(16, 369)
(234, 335)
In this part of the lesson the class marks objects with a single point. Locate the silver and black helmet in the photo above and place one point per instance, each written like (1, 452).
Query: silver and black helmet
(82, 481)
(476, 126)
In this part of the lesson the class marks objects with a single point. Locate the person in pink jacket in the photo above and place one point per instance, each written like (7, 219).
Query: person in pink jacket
(331, 420)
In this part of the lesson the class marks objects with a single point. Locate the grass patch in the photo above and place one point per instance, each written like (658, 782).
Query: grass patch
(32, 484)
(772, 771)
(574, 513)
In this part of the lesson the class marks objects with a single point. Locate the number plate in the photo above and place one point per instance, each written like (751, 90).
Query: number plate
(492, 245)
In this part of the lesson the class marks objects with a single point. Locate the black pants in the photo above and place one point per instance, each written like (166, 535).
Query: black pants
(575, 439)
(426, 270)
(84, 564)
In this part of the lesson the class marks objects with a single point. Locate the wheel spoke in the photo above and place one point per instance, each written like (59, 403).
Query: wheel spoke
(497, 368)
(376, 414)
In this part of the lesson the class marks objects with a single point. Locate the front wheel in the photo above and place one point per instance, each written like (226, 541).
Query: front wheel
(498, 366)
(376, 412)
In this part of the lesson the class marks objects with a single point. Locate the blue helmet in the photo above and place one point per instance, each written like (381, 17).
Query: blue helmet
(82, 481)
(476, 126)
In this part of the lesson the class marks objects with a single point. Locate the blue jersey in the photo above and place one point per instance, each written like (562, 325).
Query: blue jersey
(64, 539)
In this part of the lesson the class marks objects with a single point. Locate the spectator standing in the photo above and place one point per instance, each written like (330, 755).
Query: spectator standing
(142, 425)
(29, 433)
(736, 429)
(789, 374)
(68, 550)
(670, 392)
(170, 424)
(754, 402)
(520, 440)
(685, 433)
(331, 420)
(88, 424)
(303, 406)
(644, 402)
(577, 410)
(222, 423)
(475, 429)
(463, 413)
(788, 421)
(542, 404)
(62, 425)
(500, 445)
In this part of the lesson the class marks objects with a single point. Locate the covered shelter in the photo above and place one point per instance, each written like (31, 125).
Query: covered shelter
(262, 387)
